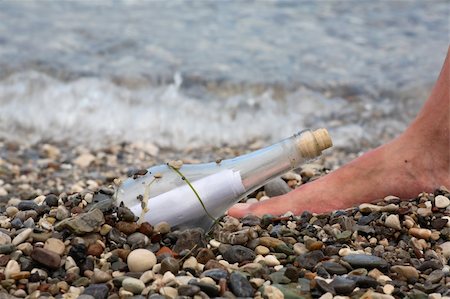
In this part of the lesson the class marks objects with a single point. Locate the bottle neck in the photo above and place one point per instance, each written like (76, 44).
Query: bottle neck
(258, 167)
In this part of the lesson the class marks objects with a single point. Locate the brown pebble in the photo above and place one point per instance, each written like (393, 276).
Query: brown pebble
(46, 257)
(4, 260)
(76, 210)
(421, 233)
(310, 275)
(313, 245)
(165, 250)
(20, 275)
(204, 255)
(146, 228)
(95, 249)
(122, 253)
(127, 227)
(223, 286)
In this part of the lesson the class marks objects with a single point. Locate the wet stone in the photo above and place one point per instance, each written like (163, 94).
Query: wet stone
(343, 286)
(238, 254)
(215, 274)
(240, 286)
(334, 268)
(98, 291)
(279, 277)
(365, 261)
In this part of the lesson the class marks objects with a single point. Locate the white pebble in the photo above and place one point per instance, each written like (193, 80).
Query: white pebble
(12, 267)
(214, 243)
(140, 260)
(393, 221)
(327, 295)
(271, 260)
(190, 263)
(441, 202)
(148, 276)
(133, 285)
(388, 289)
(22, 237)
(168, 292)
(445, 249)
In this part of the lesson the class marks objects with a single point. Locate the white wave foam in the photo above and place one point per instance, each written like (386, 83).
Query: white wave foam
(92, 111)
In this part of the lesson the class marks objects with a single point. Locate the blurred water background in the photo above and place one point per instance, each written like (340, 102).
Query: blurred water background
(199, 73)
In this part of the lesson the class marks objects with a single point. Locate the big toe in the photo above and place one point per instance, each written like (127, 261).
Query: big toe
(239, 210)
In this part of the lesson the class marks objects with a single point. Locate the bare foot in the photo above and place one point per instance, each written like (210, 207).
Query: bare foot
(417, 161)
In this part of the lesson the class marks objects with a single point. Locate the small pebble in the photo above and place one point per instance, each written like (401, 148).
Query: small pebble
(140, 260)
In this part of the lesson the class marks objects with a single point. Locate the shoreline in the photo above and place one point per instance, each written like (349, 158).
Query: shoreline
(50, 247)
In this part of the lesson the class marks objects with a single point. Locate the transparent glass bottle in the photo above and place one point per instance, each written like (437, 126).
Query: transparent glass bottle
(163, 193)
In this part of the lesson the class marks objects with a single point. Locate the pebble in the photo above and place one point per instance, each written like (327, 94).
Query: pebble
(188, 290)
(388, 289)
(334, 268)
(12, 268)
(140, 260)
(46, 257)
(95, 249)
(393, 221)
(300, 248)
(4, 238)
(62, 213)
(55, 245)
(276, 187)
(445, 247)
(100, 276)
(22, 236)
(343, 286)
(408, 273)
(98, 291)
(162, 228)
(169, 264)
(271, 260)
(190, 263)
(238, 254)
(271, 292)
(365, 261)
(168, 292)
(421, 233)
(133, 285)
(240, 286)
(441, 202)
(83, 223)
(262, 250)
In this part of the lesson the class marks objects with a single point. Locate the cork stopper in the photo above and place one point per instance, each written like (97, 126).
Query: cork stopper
(312, 143)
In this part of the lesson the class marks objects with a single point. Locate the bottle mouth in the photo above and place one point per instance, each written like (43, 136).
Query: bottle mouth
(312, 143)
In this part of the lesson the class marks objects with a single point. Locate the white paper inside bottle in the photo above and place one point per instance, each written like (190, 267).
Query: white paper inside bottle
(180, 205)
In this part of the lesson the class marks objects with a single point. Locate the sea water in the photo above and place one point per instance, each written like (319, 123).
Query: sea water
(199, 73)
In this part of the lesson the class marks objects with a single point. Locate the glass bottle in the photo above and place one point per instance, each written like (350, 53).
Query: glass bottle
(193, 195)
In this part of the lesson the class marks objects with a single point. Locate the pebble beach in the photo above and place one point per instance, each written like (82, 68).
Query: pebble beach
(61, 236)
